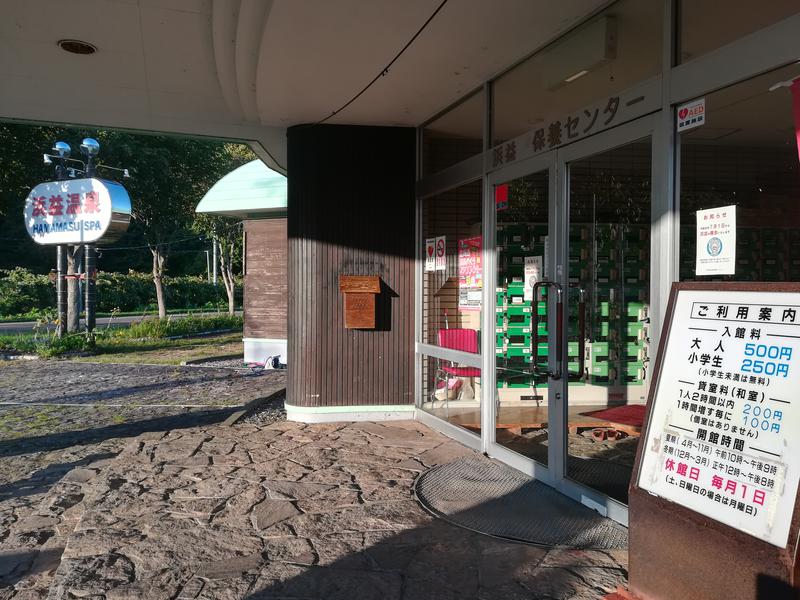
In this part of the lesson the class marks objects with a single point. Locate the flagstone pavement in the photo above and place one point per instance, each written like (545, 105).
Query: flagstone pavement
(285, 510)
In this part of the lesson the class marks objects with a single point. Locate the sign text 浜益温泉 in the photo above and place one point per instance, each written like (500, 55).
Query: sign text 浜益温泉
(76, 211)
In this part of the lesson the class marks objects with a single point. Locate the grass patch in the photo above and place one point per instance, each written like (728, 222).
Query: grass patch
(144, 336)
(165, 328)
(163, 351)
(40, 314)
(44, 345)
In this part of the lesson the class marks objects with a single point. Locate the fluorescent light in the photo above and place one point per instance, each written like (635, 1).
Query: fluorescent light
(577, 75)
(780, 84)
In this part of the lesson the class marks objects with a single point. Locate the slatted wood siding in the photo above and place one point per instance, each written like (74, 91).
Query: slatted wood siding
(351, 212)
(265, 279)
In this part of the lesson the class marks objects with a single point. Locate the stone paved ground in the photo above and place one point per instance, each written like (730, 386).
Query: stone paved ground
(283, 511)
(60, 419)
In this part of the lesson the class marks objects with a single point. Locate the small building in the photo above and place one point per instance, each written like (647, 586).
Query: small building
(257, 195)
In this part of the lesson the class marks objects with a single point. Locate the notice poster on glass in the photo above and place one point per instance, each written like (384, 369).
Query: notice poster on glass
(723, 438)
(716, 241)
(470, 273)
(533, 275)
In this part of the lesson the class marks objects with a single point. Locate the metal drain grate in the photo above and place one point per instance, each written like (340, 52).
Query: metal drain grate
(489, 497)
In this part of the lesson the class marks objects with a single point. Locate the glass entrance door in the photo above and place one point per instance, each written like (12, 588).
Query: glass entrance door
(570, 268)
(608, 255)
(522, 337)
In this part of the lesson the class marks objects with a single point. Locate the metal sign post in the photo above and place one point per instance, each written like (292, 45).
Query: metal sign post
(90, 277)
(61, 289)
(90, 148)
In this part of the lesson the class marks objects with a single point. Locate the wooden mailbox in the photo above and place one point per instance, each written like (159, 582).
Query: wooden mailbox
(359, 300)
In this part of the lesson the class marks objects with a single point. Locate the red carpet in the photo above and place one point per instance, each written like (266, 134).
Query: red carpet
(631, 414)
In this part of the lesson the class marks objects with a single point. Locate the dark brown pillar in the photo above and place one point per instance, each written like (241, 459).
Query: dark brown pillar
(351, 212)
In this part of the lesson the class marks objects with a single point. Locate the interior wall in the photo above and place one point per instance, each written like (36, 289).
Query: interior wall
(351, 212)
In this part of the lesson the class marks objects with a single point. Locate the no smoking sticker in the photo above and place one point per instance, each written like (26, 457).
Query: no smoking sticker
(441, 253)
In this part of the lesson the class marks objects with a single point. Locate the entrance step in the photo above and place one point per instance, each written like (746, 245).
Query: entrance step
(486, 496)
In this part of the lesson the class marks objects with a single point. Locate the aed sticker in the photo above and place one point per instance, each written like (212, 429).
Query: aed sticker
(430, 259)
(691, 115)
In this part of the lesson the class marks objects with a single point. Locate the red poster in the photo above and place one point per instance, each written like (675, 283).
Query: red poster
(470, 273)
(501, 196)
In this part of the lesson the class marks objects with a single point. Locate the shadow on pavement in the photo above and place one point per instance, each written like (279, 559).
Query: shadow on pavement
(40, 481)
(441, 561)
(55, 441)
(19, 564)
(120, 392)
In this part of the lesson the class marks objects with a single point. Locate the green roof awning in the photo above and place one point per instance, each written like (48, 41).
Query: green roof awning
(253, 191)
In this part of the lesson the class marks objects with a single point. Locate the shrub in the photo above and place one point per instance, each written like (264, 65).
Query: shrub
(44, 345)
(26, 295)
(47, 344)
(158, 328)
(22, 292)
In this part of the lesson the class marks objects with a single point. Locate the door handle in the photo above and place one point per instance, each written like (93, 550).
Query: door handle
(581, 332)
(555, 374)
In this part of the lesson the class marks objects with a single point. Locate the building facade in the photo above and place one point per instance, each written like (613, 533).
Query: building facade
(543, 216)
(583, 166)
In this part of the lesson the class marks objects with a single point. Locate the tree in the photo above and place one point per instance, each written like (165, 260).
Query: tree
(227, 234)
(21, 168)
(170, 176)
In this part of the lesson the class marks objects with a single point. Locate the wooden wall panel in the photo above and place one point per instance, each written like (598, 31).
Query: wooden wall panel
(351, 212)
(265, 280)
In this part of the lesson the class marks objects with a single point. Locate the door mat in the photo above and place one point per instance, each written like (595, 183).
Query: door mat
(488, 497)
(632, 415)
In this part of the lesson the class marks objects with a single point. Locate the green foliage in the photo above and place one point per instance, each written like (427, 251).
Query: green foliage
(22, 292)
(163, 328)
(26, 295)
(170, 174)
(47, 344)
(44, 345)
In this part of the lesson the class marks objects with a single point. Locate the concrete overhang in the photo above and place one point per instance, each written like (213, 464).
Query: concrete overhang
(248, 69)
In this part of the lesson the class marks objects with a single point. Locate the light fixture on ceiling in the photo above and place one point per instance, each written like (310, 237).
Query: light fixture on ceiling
(786, 83)
(577, 75)
(77, 46)
(578, 54)
(780, 84)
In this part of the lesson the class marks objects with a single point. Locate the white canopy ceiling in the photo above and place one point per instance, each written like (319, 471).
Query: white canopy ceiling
(247, 69)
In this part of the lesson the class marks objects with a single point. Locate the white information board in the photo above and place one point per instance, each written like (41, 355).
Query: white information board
(724, 430)
(716, 241)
